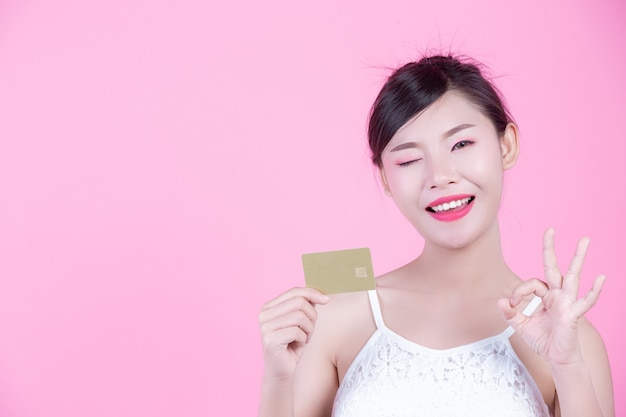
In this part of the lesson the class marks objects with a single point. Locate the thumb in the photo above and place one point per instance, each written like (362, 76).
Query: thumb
(511, 314)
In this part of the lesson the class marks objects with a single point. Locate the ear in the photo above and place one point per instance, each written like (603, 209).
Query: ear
(383, 179)
(509, 146)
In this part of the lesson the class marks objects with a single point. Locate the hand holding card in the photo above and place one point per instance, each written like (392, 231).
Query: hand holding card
(339, 271)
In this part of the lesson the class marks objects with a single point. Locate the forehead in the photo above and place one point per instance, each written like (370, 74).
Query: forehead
(450, 110)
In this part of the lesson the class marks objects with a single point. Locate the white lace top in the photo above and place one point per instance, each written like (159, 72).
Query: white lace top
(394, 377)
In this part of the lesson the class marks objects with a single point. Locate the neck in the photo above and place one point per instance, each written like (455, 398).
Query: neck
(479, 264)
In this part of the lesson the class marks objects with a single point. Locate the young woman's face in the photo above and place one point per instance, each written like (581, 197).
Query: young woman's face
(444, 168)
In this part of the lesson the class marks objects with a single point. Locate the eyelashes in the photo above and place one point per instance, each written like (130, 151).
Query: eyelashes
(462, 144)
(457, 146)
(407, 163)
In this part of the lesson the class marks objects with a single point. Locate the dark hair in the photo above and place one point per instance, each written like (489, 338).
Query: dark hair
(416, 85)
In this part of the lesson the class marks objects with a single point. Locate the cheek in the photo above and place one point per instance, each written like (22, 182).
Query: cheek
(483, 167)
(488, 175)
(404, 181)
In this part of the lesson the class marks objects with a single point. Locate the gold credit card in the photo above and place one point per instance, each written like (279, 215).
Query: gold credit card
(339, 271)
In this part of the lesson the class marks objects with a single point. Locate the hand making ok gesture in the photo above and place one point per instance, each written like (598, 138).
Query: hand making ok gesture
(552, 332)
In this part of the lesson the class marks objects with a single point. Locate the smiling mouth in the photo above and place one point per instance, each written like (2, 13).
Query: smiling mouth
(451, 205)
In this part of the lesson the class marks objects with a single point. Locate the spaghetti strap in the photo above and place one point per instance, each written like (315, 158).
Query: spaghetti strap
(532, 306)
(375, 305)
(528, 310)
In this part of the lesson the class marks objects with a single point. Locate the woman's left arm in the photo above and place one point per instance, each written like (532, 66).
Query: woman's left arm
(585, 388)
(563, 337)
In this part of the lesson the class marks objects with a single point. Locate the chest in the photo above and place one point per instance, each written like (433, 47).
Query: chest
(484, 378)
(440, 324)
(420, 336)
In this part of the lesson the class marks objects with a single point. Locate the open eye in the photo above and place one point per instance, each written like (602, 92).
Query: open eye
(462, 144)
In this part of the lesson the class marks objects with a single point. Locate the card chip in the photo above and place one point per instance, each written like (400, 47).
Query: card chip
(360, 272)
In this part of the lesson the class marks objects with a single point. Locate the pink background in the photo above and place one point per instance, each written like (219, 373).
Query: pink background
(163, 165)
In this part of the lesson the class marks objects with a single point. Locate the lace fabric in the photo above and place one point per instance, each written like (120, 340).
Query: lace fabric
(394, 377)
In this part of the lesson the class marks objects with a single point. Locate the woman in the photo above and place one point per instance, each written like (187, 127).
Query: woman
(454, 332)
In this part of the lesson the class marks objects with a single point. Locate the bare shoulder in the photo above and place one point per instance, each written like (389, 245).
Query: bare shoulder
(345, 325)
(345, 300)
(394, 278)
(340, 328)
(343, 313)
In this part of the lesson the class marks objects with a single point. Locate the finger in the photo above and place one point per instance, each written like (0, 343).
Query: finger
(581, 306)
(311, 294)
(296, 322)
(298, 347)
(279, 341)
(288, 306)
(512, 315)
(294, 319)
(571, 282)
(533, 286)
(550, 268)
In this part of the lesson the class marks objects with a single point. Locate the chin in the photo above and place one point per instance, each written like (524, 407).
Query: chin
(455, 244)
(451, 241)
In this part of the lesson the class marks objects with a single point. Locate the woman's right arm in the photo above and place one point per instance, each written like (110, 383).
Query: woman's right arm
(299, 377)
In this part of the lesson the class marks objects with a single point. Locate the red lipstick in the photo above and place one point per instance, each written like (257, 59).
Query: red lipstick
(451, 208)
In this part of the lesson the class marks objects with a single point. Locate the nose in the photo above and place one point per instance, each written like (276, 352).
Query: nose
(441, 171)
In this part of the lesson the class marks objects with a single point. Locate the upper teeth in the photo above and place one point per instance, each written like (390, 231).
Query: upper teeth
(450, 205)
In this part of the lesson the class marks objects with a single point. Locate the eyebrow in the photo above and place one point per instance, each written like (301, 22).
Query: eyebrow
(446, 135)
